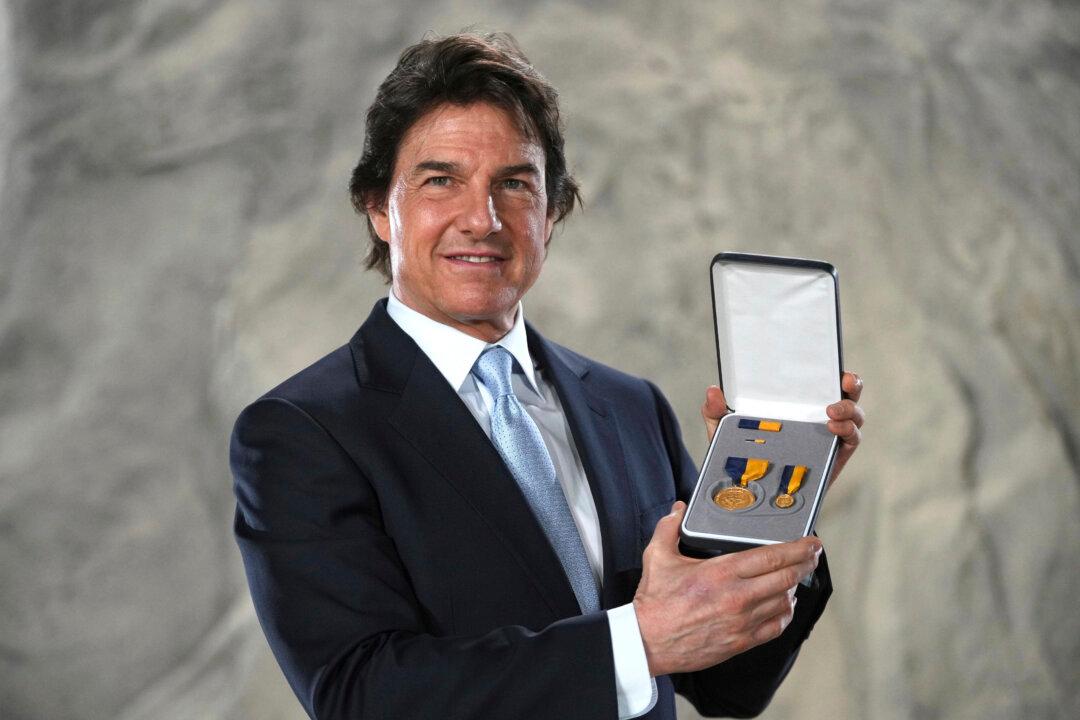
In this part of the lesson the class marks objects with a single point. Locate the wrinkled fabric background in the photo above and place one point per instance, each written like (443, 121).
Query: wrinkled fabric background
(175, 238)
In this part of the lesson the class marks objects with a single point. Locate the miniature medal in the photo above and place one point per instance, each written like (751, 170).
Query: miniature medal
(741, 471)
(793, 477)
(784, 501)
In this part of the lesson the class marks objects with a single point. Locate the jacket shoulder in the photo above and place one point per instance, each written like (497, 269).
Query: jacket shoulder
(326, 392)
(323, 379)
(604, 377)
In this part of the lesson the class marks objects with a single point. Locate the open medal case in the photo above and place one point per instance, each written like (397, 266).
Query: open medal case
(778, 345)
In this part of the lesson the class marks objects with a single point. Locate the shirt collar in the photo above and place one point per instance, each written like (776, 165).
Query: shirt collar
(453, 352)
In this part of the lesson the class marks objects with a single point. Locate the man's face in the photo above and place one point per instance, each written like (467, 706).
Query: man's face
(466, 218)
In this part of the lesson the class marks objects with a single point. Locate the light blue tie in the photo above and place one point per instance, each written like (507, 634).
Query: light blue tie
(521, 446)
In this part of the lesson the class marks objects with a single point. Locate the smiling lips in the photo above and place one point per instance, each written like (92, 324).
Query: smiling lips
(476, 259)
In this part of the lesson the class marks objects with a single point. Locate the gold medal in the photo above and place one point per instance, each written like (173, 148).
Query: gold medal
(793, 477)
(734, 498)
(741, 471)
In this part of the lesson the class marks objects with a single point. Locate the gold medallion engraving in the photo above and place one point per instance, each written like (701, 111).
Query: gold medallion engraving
(734, 498)
(784, 501)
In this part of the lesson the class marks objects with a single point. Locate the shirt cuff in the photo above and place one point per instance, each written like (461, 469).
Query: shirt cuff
(635, 689)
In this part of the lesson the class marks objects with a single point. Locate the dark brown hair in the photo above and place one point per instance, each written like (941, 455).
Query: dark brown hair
(460, 70)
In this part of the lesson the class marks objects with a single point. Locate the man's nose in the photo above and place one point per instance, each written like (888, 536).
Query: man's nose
(479, 217)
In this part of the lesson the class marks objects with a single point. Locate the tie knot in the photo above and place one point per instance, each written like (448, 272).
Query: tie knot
(493, 368)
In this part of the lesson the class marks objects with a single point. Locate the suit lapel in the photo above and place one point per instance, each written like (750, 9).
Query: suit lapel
(595, 432)
(435, 421)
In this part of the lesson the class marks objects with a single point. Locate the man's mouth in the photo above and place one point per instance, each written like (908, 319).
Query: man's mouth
(475, 258)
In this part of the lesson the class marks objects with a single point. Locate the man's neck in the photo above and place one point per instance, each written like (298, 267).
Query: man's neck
(451, 349)
(490, 330)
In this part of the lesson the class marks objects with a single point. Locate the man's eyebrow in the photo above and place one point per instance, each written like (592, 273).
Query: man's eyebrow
(452, 168)
(435, 166)
(522, 168)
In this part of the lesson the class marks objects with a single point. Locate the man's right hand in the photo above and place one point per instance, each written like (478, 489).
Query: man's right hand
(695, 613)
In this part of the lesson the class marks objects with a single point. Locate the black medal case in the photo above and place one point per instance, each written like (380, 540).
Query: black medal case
(778, 345)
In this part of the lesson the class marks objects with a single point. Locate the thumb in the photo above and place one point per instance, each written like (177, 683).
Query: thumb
(715, 405)
(665, 538)
(714, 408)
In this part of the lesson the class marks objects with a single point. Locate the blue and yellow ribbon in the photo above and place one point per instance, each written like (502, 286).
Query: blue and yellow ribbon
(742, 470)
(790, 482)
(793, 477)
(767, 425)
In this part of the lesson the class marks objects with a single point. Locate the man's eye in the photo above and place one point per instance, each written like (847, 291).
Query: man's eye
(439, 181)
(514, 184)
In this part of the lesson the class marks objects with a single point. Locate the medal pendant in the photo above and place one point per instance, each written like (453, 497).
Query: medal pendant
(792, 478)
(734, 498)
(784, 501)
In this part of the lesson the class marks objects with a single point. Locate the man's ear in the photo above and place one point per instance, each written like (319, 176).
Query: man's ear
(380, 219)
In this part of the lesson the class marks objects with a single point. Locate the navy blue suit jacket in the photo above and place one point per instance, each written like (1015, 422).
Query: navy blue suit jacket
(398, 571)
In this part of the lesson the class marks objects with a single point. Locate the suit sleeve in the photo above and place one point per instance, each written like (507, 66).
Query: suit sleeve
(745, 684)
(338, 610)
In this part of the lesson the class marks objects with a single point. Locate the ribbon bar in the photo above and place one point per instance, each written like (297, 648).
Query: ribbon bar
(768, 425)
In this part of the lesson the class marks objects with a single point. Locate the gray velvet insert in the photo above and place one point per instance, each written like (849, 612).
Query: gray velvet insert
(797, 443)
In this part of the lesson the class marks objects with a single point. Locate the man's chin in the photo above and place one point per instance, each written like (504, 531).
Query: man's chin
(477, 313)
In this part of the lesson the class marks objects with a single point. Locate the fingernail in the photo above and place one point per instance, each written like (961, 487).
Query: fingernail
(674, 508)
(836, 407)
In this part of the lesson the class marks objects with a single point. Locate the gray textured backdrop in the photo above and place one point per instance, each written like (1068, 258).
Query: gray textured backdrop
(175, 238)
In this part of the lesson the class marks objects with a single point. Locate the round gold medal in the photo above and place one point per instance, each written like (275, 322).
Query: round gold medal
(784, 501)
(734, 498)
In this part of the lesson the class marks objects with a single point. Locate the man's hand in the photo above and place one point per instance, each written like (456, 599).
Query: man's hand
(845, 417)
(845, 420)
(714, 408)
(694, 613)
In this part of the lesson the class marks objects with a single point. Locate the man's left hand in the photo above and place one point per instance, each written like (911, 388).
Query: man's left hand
(845, 417)
(846, 420)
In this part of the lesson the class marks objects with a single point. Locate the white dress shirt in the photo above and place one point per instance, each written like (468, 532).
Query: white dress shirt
(454, 353)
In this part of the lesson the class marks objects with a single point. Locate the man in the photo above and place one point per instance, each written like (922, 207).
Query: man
(451, 516)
